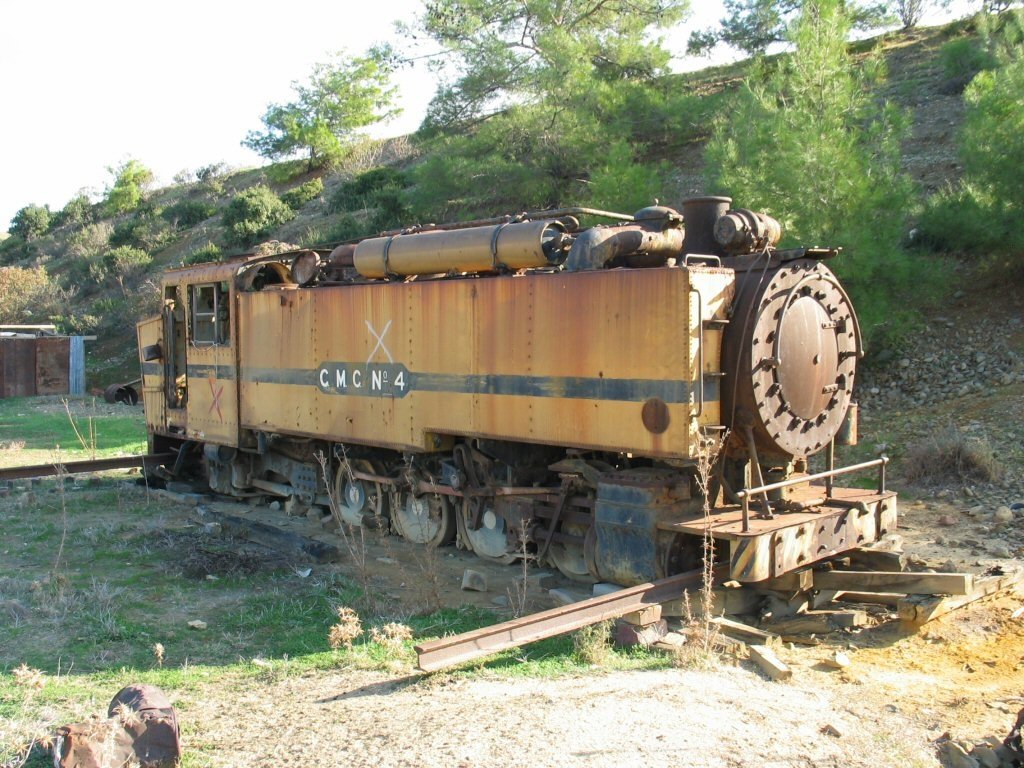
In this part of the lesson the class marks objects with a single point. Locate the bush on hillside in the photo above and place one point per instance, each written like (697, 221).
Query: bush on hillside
(963, 58)
(15, 249)
(362, 190)
(29, 295)
(120, 266)
(204, 255)
(76, 212)
(188, 213)
(253, 214)
(297, 197)
(31, 222)
(145, 230)
(90, 241)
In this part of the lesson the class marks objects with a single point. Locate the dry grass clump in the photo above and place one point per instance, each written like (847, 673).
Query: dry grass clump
(27, 677)
(951, 455)
(158, 653)
(593, 644)
(348, 628)
(391, 635)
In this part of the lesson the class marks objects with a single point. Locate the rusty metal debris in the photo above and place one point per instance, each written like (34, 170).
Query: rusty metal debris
(141, 729)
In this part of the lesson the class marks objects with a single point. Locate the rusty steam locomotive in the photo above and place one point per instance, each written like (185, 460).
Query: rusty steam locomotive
(600, 397)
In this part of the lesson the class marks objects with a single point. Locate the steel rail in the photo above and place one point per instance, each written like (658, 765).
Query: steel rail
(448, 651)
(79, 467)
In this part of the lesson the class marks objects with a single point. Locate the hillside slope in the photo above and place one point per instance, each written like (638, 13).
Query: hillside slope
(186, 221)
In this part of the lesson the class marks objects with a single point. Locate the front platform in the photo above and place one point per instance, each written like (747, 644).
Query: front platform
(850, 518)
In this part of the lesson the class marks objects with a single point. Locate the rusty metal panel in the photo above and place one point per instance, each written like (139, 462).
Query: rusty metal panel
(19, 367)
(149, 332)
(567, 359)
(53, 366)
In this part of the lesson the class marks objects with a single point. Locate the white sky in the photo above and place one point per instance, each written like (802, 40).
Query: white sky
(86, 85)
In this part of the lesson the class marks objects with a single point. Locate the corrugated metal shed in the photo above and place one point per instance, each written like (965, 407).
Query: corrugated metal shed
(34, 361)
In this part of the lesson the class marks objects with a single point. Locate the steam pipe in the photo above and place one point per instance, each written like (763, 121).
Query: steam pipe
(596, 247)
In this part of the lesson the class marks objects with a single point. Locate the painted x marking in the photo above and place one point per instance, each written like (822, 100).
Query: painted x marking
(380, 342)
(215, 393)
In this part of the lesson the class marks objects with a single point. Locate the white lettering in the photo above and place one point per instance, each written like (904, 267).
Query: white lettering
(400, 380)
(377, 379)
(339, 379)
(357, 378)
(324, 378)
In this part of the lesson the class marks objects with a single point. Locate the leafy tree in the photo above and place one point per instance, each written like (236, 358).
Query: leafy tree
(992, 141)
(753, 25)
(810, 145)
(341, 97)
(523, 53)
(254, 213)
(131, 180)
(31, 222)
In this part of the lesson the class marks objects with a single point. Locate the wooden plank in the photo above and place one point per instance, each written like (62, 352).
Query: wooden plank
(891, 581)
(724, 600)
(915, 611)
(738, 628)
(819, 622)
(871, 598)
(648, 615)
(877, 559)
(293, 544)
(794, 581)
(719, 641)
(771, 664)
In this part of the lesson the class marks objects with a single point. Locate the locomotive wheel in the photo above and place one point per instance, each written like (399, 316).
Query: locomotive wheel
(490, 540)
(569, 557)
(359, 501)
(426, 519)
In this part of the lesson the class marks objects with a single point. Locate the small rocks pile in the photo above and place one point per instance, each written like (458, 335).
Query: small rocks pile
(990, 753)
(998, 533)
(942, 362)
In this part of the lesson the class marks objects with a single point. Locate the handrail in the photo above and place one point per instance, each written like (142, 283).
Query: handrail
(745, 494)
(700, 350)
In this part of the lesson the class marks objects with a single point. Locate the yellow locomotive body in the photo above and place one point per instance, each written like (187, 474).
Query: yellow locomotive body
(567, 410)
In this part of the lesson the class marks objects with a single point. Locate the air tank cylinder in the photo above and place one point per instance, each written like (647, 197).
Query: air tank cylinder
(477, 249)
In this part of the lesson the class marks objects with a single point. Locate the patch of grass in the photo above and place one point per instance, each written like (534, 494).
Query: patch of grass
(39, 425)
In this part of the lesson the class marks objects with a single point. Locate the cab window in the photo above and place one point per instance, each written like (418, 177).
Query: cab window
(209, 314)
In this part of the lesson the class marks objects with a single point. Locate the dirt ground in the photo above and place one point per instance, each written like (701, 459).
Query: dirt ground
(959, 677)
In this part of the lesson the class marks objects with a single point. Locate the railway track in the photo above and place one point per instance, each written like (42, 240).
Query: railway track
(81, 467)
(455, 649)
